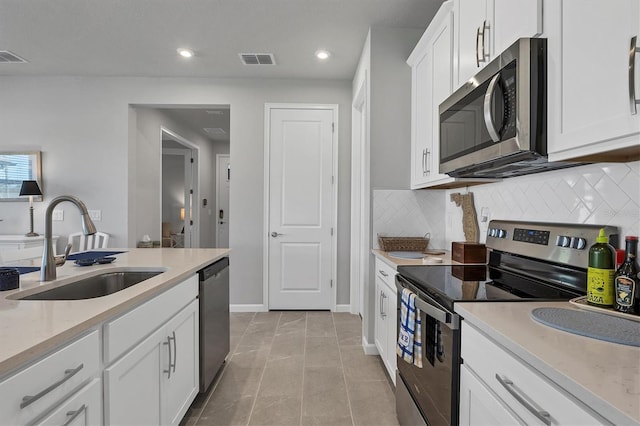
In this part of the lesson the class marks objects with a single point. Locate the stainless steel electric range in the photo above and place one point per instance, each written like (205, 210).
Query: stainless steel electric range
(526, 261)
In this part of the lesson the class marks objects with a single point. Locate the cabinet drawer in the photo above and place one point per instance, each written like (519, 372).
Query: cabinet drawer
(519, 386)
(124, 332)
(49, 380)
(386, 273)
(82, 408)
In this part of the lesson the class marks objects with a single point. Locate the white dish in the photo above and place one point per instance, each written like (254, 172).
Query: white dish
(406, 254)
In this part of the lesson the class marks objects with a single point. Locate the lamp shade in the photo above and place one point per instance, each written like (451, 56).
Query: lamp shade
(30, 187)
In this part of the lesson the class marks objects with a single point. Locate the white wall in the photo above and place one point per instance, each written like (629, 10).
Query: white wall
(85, 128)
(383, 66)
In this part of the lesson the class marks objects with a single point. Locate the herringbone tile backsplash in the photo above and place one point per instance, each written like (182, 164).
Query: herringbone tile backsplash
(603, 193)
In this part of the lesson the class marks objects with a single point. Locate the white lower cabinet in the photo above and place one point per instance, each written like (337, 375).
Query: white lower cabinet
(478, 406)
(44, 386)
(511, 388)
(156, 381)
(83, 408)
(386, 321)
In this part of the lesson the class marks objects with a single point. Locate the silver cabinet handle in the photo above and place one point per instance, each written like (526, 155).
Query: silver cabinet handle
(383, 273)
(541, 415)
(383, 313)
(73, 414)
(426, 162)
(483, 55)
(477, 53)
(275, 234)
(633, 50)
(380, 303)
(175, 351)
(171, 363)
(30, 399)
(488, 119)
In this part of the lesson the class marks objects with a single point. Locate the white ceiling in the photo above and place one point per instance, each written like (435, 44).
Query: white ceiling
(140, 37)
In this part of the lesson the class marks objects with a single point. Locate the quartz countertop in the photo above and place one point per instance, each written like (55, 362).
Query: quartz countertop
(428, 259)
(30, 329)
(604, 376)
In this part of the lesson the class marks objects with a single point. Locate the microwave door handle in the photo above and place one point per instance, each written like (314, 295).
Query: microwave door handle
(488, 118)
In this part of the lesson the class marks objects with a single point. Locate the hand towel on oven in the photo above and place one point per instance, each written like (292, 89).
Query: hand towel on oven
(409, 346)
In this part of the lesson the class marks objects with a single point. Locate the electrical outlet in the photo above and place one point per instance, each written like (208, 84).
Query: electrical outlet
(58, 215)
(95, 215)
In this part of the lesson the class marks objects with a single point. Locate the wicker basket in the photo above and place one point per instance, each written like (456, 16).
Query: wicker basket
(403, 243)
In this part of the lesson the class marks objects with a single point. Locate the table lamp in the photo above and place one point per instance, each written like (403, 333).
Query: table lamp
(30, 188)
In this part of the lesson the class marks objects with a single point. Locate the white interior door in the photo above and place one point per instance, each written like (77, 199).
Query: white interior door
(222, 200)
(301, 208)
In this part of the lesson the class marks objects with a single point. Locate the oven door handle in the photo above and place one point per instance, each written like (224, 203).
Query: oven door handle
(431, 310)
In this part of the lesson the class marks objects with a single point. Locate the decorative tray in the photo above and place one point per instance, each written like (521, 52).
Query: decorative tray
(581, 302)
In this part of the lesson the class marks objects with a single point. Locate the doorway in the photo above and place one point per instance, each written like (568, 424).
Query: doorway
(179, 189)
(300, 206)
(223, 181)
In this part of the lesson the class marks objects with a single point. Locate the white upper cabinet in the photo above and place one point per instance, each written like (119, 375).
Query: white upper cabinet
(592, 69)
(485, 28)
(431, 78)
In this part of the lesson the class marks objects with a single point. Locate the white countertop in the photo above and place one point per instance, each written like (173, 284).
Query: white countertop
(428, 259)
(31, 328)
(605, 376)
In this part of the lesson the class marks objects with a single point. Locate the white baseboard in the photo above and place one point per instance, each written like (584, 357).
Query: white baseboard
(247, 308)
(343, 308)
(369, 348)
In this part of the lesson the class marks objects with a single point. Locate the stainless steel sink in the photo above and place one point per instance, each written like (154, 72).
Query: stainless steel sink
(94, 286)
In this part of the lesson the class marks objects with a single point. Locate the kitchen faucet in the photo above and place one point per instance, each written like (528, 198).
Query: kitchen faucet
(49, 262)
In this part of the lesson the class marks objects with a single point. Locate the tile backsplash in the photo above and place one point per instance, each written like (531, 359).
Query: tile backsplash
(603, 193)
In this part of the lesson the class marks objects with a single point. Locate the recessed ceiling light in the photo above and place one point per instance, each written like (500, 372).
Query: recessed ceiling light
(185, 53)
(322, 54)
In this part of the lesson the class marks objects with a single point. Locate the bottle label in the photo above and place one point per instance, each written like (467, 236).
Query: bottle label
(600, 286)
(625, 291)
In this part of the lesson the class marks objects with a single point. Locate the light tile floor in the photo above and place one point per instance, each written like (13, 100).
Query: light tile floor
(297, 368)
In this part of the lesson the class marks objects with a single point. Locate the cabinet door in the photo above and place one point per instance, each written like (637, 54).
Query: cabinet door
(380, 324)
(478, 406)
(391, 310)
(132, 385)
(420, 131)
(514, 19)
(83, 408)
(182, 384)
(432, 83)
(472, 20)
(589, 63)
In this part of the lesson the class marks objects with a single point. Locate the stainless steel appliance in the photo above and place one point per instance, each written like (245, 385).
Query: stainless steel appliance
(214, 320)
(495, 125)
(526, 261)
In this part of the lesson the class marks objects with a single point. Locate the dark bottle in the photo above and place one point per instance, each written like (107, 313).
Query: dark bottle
(601, 271)
(626, 280)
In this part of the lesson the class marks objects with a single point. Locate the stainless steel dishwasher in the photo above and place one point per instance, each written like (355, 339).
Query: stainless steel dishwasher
(214, 320)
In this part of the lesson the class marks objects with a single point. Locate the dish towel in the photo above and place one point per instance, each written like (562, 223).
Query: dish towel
(409, 346)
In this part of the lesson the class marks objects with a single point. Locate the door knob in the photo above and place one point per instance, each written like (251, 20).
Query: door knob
(275, 234)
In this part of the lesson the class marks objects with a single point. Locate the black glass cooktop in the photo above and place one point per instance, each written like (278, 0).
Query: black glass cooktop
(448, 284)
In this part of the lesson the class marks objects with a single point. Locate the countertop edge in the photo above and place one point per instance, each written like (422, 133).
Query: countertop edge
(597, 404)
(22, 359)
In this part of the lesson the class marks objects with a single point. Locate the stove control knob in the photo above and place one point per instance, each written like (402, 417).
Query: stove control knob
(502, 233)
(492, 232)
(563, 241)
(581, 244)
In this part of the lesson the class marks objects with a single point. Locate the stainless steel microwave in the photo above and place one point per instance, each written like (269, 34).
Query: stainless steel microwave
(495, 125)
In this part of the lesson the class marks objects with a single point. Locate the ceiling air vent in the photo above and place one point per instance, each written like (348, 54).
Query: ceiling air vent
(257, 58)
(10, 57)
(215, 131)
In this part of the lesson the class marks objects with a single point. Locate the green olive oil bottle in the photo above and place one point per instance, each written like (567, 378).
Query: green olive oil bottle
(600, 290)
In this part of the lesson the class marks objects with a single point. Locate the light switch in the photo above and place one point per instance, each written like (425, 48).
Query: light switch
(58, 215)
(95, 215)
